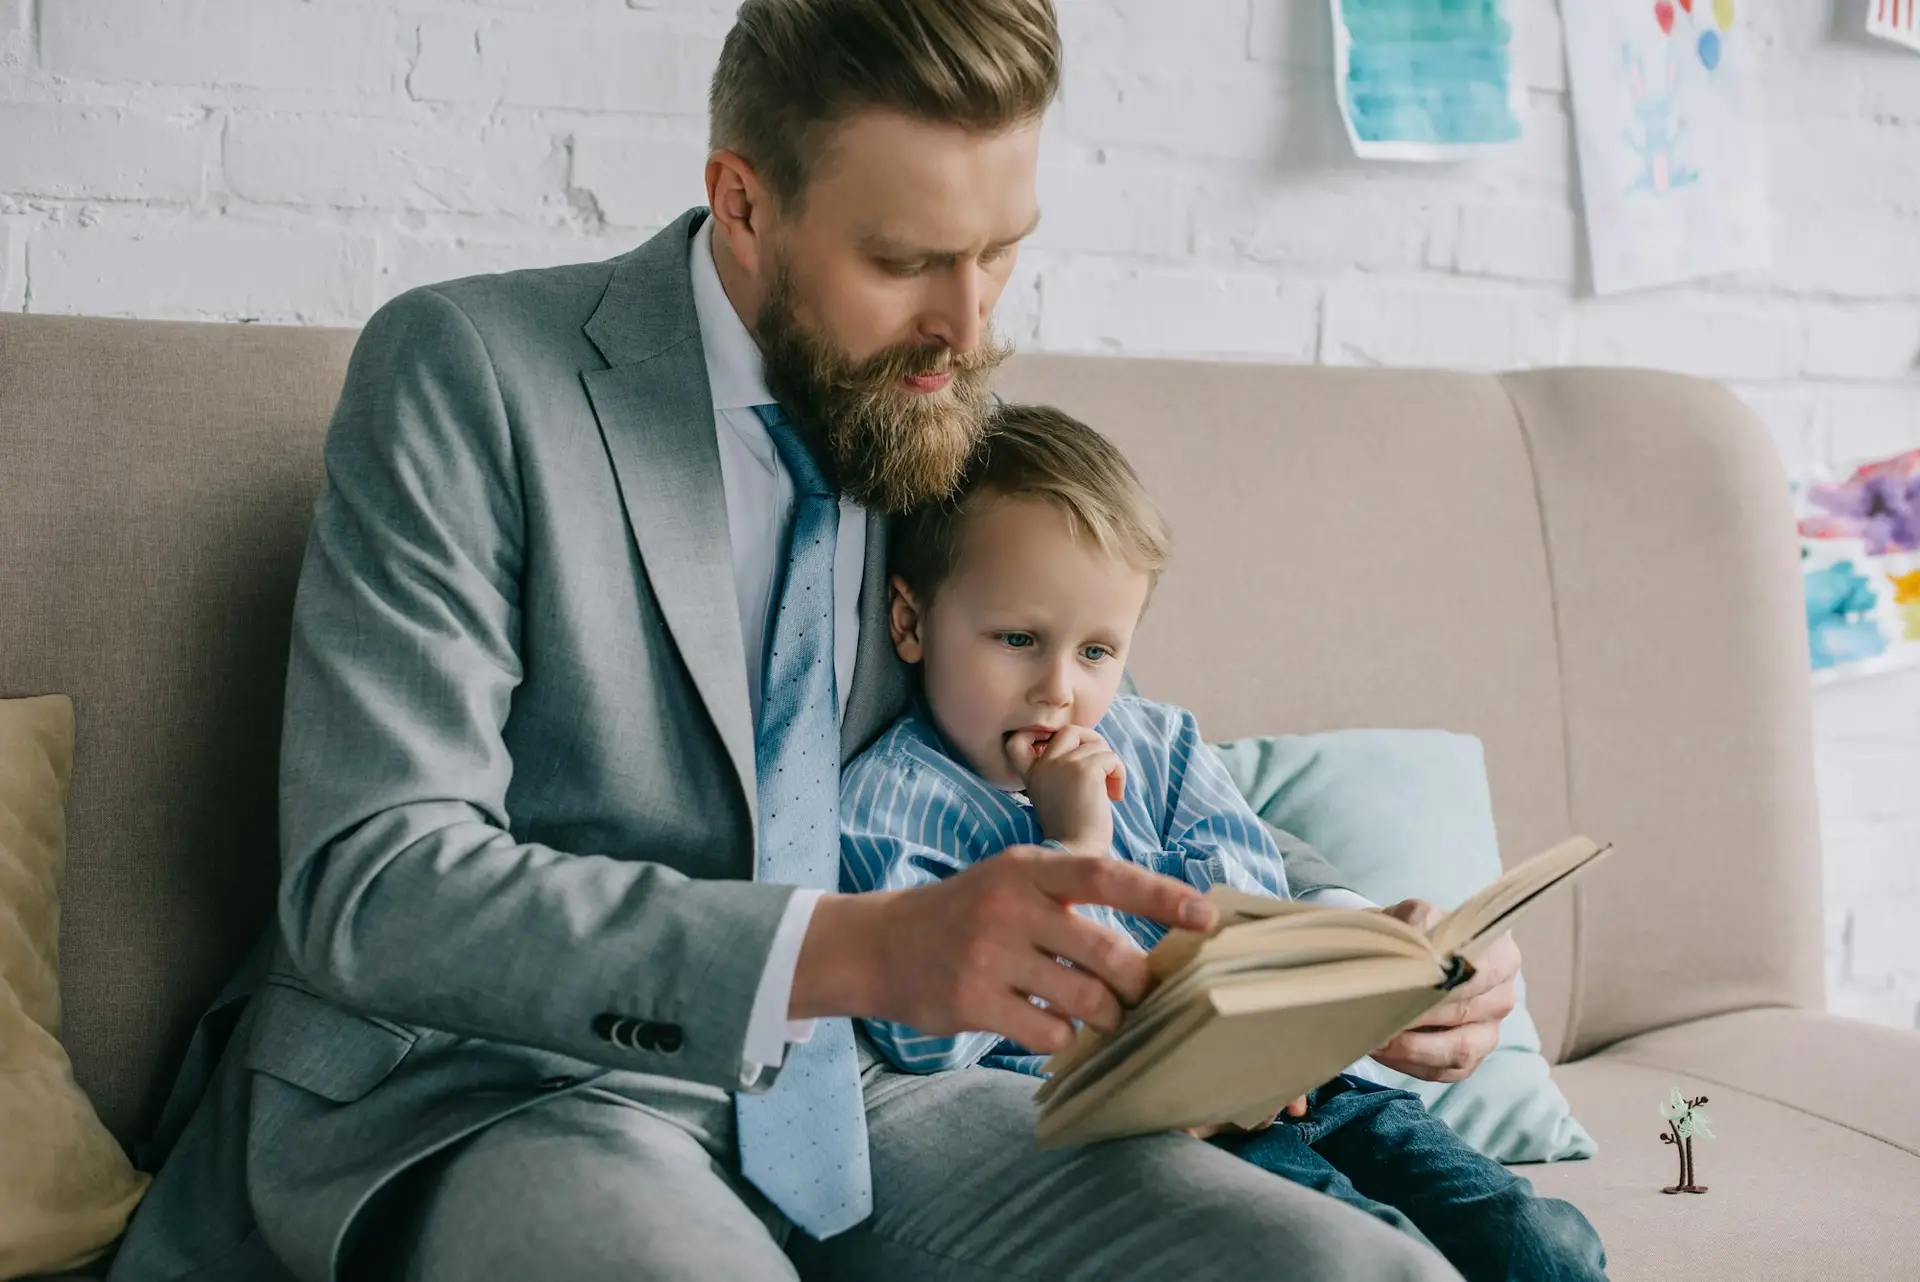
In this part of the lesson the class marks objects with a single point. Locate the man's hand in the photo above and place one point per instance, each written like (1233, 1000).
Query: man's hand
(1456, 1035)
(1073, 784)
(967, 953)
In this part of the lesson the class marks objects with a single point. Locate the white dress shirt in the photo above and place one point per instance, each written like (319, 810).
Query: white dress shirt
(759, 496)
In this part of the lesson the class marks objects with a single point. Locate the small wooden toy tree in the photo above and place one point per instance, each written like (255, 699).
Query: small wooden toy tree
(1684, 1121)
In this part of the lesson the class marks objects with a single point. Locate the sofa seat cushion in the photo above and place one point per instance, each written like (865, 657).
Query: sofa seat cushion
(1851, 1073)
(1794, 1193)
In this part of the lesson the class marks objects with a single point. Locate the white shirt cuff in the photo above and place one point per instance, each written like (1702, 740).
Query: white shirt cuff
(1337, 897)
(1368, 1070)
(769, 1031)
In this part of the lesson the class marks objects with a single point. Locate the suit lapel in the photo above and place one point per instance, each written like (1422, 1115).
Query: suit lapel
(880, 680)
(656, 416)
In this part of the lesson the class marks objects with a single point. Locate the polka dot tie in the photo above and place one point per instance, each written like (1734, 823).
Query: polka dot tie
(804, 1142)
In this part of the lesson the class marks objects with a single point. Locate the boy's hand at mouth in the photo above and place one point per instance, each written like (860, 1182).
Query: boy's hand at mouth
(1073, 782)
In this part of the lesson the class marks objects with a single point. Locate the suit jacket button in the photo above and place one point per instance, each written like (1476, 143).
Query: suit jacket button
(557, 1083)
(668, 1039)
(607, 1027)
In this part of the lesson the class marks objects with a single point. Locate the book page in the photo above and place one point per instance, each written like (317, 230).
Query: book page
(1309, 938)
(1242, 928)
(1235, 908)
(1226, 1066)
(1106, 1073)
(1092, 1051)
(1346, 981)
(1138, 1045)
(1494, 907)
(1272, 1005)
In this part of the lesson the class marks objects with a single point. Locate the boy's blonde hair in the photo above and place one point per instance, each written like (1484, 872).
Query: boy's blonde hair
(1036, 451)
(790, 70)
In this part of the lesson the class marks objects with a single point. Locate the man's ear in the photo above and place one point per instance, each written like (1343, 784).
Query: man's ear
(904, 620)
(742, 208)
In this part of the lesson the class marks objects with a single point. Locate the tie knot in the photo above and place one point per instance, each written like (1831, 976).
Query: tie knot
(808, 479)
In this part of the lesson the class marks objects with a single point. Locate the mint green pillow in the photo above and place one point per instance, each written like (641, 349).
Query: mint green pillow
(1407, 814)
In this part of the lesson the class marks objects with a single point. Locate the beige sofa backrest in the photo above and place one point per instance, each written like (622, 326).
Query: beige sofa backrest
(156, 482)
(1591, 571)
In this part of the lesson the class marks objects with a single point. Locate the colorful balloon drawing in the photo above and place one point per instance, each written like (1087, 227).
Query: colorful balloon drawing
(1710, 45)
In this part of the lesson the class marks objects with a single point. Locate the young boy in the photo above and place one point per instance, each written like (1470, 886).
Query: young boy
(1018, 601)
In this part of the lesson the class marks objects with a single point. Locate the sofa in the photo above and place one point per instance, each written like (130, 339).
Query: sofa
(1592, 571)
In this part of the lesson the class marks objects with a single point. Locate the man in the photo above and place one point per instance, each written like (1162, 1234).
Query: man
(592, 609)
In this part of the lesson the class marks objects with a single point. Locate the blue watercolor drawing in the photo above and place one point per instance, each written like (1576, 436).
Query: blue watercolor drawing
(1657, 140)
(1436, 72)
(1841, 627)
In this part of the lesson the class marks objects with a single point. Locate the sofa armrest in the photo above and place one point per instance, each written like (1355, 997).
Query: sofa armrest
(1684, 679)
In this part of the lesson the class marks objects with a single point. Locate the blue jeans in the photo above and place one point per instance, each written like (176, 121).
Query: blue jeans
(1380, 1150)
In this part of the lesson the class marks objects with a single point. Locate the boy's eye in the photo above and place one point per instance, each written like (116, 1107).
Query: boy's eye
(1095, 653)
(1017, 640)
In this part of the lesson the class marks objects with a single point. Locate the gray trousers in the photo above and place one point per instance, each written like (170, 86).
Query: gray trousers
(597, 1185)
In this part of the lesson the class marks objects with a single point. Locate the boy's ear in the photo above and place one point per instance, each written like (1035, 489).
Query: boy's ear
(904, 620)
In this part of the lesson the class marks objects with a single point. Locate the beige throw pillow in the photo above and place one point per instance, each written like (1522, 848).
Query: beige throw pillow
(66, 1188)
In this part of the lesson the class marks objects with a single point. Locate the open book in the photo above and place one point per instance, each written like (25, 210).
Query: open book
(1277, 999)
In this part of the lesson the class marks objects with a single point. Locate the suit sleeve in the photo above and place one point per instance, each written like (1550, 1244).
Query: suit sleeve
(1309, 875)
(902, 827)
(403, 893)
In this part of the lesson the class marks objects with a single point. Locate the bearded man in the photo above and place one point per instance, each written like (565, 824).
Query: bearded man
(592, 609)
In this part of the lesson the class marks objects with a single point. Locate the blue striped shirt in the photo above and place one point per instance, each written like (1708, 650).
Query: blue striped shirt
(912, 814)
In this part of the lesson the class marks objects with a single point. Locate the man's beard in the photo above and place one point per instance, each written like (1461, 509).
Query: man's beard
(885, 446)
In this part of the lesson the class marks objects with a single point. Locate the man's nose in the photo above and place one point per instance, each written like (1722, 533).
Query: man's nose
(956, 315)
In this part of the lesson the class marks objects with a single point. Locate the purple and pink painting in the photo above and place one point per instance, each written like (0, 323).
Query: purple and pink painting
(1860, 560)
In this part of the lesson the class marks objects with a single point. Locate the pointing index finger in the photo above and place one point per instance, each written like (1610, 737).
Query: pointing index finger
(1076, 879)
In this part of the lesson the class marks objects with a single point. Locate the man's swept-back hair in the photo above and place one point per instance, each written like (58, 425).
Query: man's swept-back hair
(791, 70)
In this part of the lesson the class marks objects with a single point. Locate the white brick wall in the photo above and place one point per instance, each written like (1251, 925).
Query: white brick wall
(266, 44)
(290, 160)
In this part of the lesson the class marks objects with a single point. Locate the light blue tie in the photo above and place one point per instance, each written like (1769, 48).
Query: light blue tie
(804, 1142)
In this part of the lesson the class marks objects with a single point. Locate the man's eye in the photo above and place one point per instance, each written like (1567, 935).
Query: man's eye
(1095, 653)
(896, 268)
(1017, 640)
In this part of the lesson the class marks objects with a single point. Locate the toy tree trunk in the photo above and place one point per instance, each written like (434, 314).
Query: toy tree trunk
(1683, 1148)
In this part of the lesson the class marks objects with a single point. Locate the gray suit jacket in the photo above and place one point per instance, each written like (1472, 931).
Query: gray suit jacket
(517, 818)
